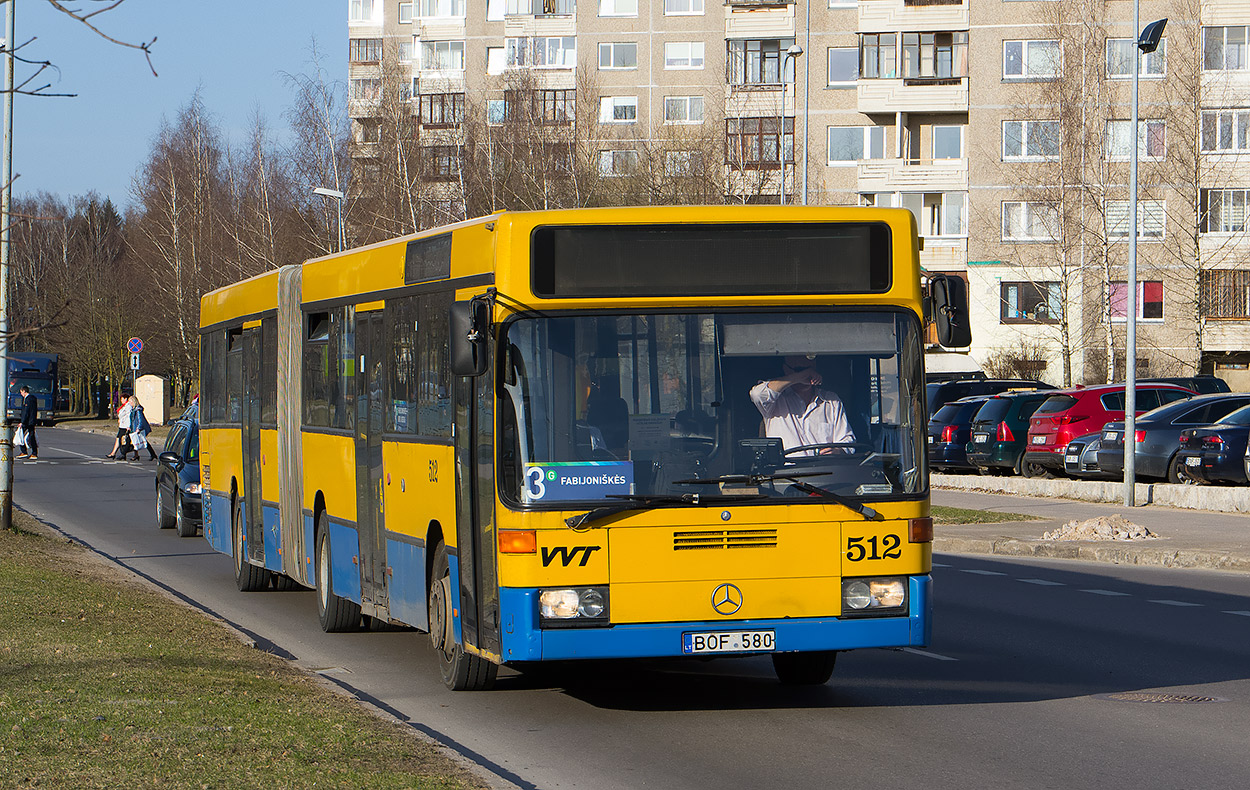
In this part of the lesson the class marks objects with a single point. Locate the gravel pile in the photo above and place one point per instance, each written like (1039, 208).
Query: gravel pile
(1114, 527)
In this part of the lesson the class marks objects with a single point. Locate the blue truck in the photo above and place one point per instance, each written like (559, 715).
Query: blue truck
(39, 372)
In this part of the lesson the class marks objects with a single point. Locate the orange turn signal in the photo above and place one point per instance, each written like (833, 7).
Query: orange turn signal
(518, 541)
(920, 530)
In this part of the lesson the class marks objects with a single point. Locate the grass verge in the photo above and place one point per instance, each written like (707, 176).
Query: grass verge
(962, 515)
(105, 683)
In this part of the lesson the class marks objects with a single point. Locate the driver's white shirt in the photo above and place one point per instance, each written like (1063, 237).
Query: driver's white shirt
(796, 422)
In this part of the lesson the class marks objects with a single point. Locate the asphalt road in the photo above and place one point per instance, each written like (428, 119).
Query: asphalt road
(1016, 691)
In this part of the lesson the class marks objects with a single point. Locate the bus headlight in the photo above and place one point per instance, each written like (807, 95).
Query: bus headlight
(877, 597)
(573, 607)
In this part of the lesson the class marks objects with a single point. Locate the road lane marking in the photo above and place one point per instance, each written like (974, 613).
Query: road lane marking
(981, 572)
(1243, 614)
(1043, 582)
(939, 565)
(1105, 592)
(927, 654)
(1167, 602)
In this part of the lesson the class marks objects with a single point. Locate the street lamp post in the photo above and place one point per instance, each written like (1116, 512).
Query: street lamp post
(792, 54)
(6, 226)
(1147, 42)
(338, 198)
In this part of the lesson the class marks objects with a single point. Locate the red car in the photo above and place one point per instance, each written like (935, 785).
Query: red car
(1075, 412)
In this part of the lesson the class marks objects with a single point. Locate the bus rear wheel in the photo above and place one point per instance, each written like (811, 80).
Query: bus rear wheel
(337, 614)
(247, 576)
(804, 669)
(461, 671)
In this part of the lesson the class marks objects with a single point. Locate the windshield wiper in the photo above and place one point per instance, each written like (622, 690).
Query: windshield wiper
(650, 501)
(793, 477)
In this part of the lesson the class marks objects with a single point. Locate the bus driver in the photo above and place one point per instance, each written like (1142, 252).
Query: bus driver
(796, 411)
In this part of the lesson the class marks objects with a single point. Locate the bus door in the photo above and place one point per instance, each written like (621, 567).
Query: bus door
(253, 496)
(371, 354)
(475, 521)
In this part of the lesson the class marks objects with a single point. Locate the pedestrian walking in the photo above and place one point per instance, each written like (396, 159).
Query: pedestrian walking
(30, 413)
(122, 446)
(139, 429)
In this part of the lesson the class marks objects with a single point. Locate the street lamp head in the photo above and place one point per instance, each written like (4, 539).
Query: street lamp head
(1150, 36)
(333, 193)
(794, 51)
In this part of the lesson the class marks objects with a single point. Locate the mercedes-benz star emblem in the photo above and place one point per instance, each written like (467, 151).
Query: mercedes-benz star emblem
(727, 599)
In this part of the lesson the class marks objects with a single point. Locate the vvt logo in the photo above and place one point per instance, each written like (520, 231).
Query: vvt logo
(568, 554)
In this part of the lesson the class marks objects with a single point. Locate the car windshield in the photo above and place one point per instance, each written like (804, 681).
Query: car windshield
(601, 406)
(1056, 403)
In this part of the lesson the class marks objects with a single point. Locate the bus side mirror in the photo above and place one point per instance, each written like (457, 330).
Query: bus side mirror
(468, 330)
(948, 296)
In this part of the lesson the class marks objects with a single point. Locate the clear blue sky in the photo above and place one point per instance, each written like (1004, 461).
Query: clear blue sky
(233, 50)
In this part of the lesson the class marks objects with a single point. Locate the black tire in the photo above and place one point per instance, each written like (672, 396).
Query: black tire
(284, 583)
(335, 613)
(461, 671)
(1176, 472)
(163, 519)
(247, 576)
(1033, 471)
(804, 669)
(186, 527)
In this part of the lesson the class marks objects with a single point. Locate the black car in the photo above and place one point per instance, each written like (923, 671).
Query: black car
(1080, 458)
(940, 393)
(1215, 453)
(1203, 385)
(178, 478)
(1158, 435)
(950, 430)
(999, 431)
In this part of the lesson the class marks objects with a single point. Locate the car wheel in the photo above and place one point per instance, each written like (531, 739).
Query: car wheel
(247, 576)
(804, 669)
(186, 527)
(163, 519)
(336, 614)
(1033, 470)
(1177, 473)
(461, 671)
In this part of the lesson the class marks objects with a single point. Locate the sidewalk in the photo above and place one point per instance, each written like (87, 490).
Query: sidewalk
(1187, 538)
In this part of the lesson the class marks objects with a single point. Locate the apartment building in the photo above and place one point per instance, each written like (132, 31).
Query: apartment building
(1002, 124)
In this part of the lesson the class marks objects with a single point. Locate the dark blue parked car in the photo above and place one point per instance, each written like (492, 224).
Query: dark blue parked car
(178, 502)
(1215, 453)
(950, 430)
(1158, 437)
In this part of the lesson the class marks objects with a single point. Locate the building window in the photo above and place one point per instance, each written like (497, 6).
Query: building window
(1025, 221)
(618, 7)
(948, 142)
(1123, 52)
(405, 13)
(556, 8)
(617, 163)
(618, 55)
(843, 66)
(1149, 301)
(1224, 293)
(406, 51)
(364, 50)
(1150, 219)
(364, 12)
(440, 162)
(440, 8)
(935, 55)
(1030, 303)
(1030, 140)
(938, 213)
(676, 7)
(850, 144)
(759, 143)
(367, 130)
(679, 164)
(442, 55)
(364, 89)
(618, 109)
(1151, 139)
(1225, 130)
(555, 52)
(1222, 210)
(516, 49)
(1224, 48)
(441, 109)
(683, 109)
(496, 60)
(683, 55)
(1030, 60)
(555, 107)
(878, 58)
(496, 111)
(517, 7)
(759, 61)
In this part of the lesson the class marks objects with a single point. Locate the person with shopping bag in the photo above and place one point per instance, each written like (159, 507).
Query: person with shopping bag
(139, 430)
(30, 413)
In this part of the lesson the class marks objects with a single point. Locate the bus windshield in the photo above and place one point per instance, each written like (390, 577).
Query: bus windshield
(597, 407)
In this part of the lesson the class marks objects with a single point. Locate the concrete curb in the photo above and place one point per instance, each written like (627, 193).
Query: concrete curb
(1152, 553)
(1220, 499)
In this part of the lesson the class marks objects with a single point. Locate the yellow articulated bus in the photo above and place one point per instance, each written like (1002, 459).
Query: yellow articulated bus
(588, 434)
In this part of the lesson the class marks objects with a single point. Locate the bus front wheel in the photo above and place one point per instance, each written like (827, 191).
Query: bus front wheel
(804, 669)
(461, 671)
(247, 576)
(336, 613)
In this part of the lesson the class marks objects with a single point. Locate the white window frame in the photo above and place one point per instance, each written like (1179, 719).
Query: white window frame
(933, 141)
(675, 61)
(609, 158)
(1244, 45)
(430, 55)
(1026, 135)
(609, 49)
(365, 89)
(873, 142)
(496, 112)
(1140, 306)
(442, 9)
(1214, 121)
(407, 51)
(1231, 213)
(405, 13)
(842, 4)
(679, 163)
(936, 210)
(609, 106)
(566, 51)
(1152, 65)
(496, 60)
(1045, 211)
(832, 83)
(618, 8)
(518, 7)
(690, 103)
(1119, 128)
(1151, 220)
(1026, 60)
(356, 15)
(693, 8)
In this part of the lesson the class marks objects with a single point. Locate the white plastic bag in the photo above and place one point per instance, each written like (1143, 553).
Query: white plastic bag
(19, 437)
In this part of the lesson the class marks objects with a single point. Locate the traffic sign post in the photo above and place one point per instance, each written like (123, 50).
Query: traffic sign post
(134, 345)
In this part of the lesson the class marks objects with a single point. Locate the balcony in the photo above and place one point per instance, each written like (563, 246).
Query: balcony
(912, 15)
(912, 175)
(913, 95)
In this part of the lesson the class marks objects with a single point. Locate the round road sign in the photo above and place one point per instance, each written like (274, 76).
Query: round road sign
(134, 345)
